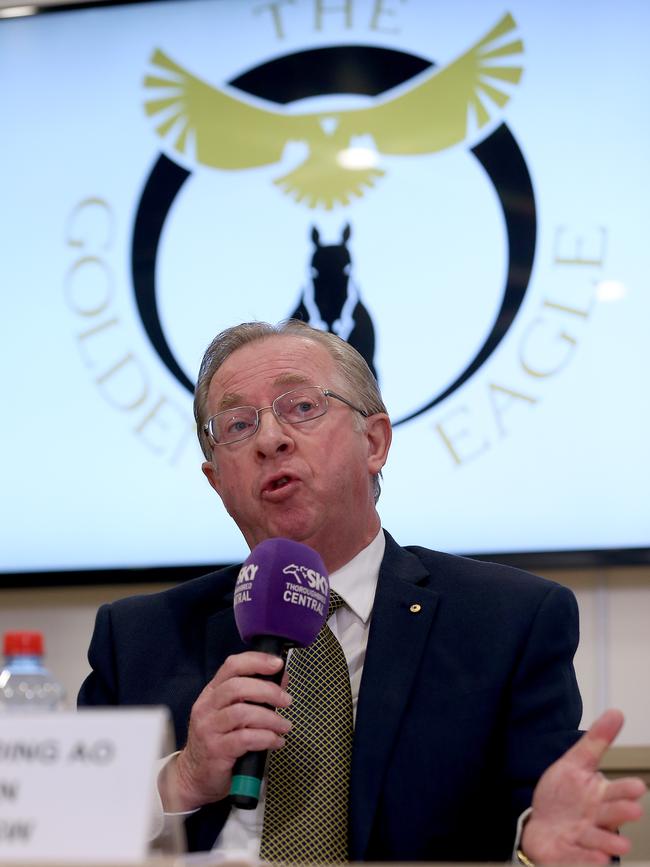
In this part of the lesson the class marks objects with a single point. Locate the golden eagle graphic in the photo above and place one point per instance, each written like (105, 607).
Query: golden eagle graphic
(230, 133)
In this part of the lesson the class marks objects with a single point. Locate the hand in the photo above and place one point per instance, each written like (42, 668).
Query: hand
(576, 811)
(226, 721)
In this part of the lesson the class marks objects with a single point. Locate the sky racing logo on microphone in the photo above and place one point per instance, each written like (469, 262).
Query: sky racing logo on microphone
(308, 589)
(244, 583)
(314, 596)
(313, 578)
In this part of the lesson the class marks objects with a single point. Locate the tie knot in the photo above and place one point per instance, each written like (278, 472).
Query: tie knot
(335, 603)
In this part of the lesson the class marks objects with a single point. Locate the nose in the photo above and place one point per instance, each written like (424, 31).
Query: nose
(272, 436)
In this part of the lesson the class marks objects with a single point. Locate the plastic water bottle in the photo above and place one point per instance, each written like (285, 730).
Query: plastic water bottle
(25, 683)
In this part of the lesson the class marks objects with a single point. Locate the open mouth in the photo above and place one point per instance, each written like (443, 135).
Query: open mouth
(277, 483)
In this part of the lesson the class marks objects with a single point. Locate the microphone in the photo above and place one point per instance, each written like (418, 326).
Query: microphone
(281, 601)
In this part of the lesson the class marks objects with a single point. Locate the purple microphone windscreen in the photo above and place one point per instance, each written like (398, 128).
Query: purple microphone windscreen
(282, 590)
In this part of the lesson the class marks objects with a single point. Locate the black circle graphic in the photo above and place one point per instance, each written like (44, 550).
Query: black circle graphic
(354, 69)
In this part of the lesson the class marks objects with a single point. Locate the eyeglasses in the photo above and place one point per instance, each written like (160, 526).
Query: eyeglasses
(293, 407)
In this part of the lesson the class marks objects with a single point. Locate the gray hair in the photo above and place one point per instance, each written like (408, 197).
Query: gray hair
(352, 367)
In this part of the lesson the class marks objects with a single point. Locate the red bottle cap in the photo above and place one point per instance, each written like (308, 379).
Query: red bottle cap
(23, 644)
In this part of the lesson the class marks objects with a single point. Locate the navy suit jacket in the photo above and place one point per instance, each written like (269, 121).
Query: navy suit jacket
(463, 702)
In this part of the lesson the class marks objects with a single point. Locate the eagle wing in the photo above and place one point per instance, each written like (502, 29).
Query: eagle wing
(433, 114)
(228, 133)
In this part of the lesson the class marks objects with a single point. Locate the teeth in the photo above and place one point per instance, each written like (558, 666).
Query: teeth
(279, 483)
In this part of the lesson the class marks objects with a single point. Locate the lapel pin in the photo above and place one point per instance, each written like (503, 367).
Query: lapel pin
(415, 608)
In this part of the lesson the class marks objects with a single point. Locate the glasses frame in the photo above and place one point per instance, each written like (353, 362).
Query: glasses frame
(326, 392)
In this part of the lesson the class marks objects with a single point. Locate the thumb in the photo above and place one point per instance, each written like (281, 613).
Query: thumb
(592, 746)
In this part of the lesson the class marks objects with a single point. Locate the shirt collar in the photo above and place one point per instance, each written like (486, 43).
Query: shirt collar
(356, 582)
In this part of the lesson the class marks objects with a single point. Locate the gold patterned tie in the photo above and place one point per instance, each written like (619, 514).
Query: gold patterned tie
(308, 780)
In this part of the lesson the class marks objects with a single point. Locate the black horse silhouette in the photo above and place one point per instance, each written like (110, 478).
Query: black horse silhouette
(332, 302)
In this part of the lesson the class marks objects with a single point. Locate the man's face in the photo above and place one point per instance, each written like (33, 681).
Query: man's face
(308, 482)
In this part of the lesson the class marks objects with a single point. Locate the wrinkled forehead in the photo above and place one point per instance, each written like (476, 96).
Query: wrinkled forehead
(259, 371)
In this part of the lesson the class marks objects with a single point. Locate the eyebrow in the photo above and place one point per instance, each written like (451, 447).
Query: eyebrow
(233, 398)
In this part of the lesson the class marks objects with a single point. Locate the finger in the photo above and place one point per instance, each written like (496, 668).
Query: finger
(607, 842)
(208, 725)
(613, 814)
(626, 787)
(213, 767)
(237, 743)
(592, 746)
(247, 664)
(250, 689)
(250, 716)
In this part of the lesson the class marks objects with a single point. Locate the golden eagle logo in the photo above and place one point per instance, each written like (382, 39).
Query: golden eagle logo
(229, 133)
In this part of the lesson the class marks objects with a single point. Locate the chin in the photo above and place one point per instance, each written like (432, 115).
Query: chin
(296, 531)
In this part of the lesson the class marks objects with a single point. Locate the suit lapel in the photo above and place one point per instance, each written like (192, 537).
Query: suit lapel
(221, 636)
(398, 634)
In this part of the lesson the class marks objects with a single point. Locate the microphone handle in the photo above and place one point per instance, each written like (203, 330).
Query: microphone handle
(248, 772)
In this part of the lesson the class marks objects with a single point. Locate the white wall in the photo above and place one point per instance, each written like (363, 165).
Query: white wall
(65, 616)
(614, 655)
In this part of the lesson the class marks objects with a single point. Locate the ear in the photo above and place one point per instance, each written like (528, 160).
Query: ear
(212, 475)
(379, 434)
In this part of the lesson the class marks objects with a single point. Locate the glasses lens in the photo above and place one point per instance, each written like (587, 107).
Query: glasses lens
(301, 404)
(234, 424)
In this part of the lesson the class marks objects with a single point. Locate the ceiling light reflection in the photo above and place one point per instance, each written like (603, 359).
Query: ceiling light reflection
(357, 158)
(610, 290)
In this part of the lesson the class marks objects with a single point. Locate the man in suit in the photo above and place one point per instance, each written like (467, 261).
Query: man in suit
(461, 672)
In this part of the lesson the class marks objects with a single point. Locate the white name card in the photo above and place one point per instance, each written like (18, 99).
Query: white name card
(79, 786)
